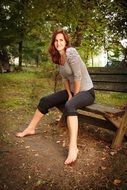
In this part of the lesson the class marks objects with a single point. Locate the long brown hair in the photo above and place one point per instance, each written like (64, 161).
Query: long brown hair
(52, 50)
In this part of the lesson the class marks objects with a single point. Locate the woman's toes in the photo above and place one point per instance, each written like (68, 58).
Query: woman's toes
(25, 133)
(72, 156)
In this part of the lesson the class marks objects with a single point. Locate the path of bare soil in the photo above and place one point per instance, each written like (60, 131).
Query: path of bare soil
(37, 162)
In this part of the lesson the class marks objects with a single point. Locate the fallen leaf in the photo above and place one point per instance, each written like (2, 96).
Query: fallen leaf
(116, 182)
(57, 142)
(103, 158)
(103, 168)
(64, 144)
(57, 119)
(27, 146)
(112, 153)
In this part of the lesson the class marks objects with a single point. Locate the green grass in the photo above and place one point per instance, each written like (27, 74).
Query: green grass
(111, 98)
(25, 89)
(19, 96)
(21, 89)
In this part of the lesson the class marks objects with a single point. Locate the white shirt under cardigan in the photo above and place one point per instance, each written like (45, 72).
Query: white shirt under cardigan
(75, 69)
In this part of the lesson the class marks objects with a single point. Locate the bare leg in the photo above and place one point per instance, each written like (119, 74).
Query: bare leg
(30, 130)
(72, 122)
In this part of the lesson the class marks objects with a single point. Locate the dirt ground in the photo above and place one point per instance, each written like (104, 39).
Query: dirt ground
(37, 162)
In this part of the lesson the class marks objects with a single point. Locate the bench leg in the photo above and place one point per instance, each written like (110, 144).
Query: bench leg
(62, 122)
(115, 120)
(120, 132)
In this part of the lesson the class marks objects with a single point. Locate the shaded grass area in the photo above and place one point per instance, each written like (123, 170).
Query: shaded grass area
(22, 89)
(19, 96)
(112, 98)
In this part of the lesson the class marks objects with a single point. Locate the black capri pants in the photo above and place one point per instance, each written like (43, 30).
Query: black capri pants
(80, 100)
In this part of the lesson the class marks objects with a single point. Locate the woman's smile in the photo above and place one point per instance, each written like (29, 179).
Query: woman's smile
(60, 43)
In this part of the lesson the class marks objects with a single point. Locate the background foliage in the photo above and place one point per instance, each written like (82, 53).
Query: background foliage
(26, 26)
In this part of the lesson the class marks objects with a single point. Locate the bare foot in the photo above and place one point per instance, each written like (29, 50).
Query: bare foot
(26, 132)
(72, 155)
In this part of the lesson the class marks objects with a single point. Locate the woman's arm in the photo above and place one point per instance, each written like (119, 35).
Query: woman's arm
(67, 88)
(74, 62)
(77, 85)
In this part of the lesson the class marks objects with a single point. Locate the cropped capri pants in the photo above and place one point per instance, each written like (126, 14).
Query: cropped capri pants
(81, 99)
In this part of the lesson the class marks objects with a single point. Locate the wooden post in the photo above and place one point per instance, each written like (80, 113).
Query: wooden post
(62, 121)
(120, 132)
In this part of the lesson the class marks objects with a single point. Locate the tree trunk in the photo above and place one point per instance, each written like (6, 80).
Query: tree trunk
(37, 60)
(92, 59)
(125, 57)
(78, 36)
(4, 61)
(20, 55)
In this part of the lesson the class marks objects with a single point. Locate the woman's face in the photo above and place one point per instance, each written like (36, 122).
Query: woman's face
(60, 42)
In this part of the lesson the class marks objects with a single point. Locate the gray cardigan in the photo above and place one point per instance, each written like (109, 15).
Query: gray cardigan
(75, 69)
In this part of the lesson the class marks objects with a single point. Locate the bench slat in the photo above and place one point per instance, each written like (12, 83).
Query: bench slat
(109, 78)
(102, 109)
(114, 87)
(110, 71)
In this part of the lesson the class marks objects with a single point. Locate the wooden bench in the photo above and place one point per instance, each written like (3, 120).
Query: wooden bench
(112, 80)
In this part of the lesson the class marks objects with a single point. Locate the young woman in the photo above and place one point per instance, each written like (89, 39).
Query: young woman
(78, 90)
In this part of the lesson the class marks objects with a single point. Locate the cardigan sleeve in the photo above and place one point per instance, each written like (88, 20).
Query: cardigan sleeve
(74, 61)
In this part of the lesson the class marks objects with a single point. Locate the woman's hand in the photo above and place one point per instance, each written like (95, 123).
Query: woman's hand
(67, 87)
(69, 96)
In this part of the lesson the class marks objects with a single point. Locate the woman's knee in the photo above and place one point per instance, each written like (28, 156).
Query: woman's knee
(43, 105)
(70, 109)
(67, 106)
(43, 101)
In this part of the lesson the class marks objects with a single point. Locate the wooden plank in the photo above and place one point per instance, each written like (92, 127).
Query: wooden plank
(62, 122)
(102, 109)
(115, 120)
(120, 132)
(96, 122)
(109, 78)
(114, 87)
(110, 70)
